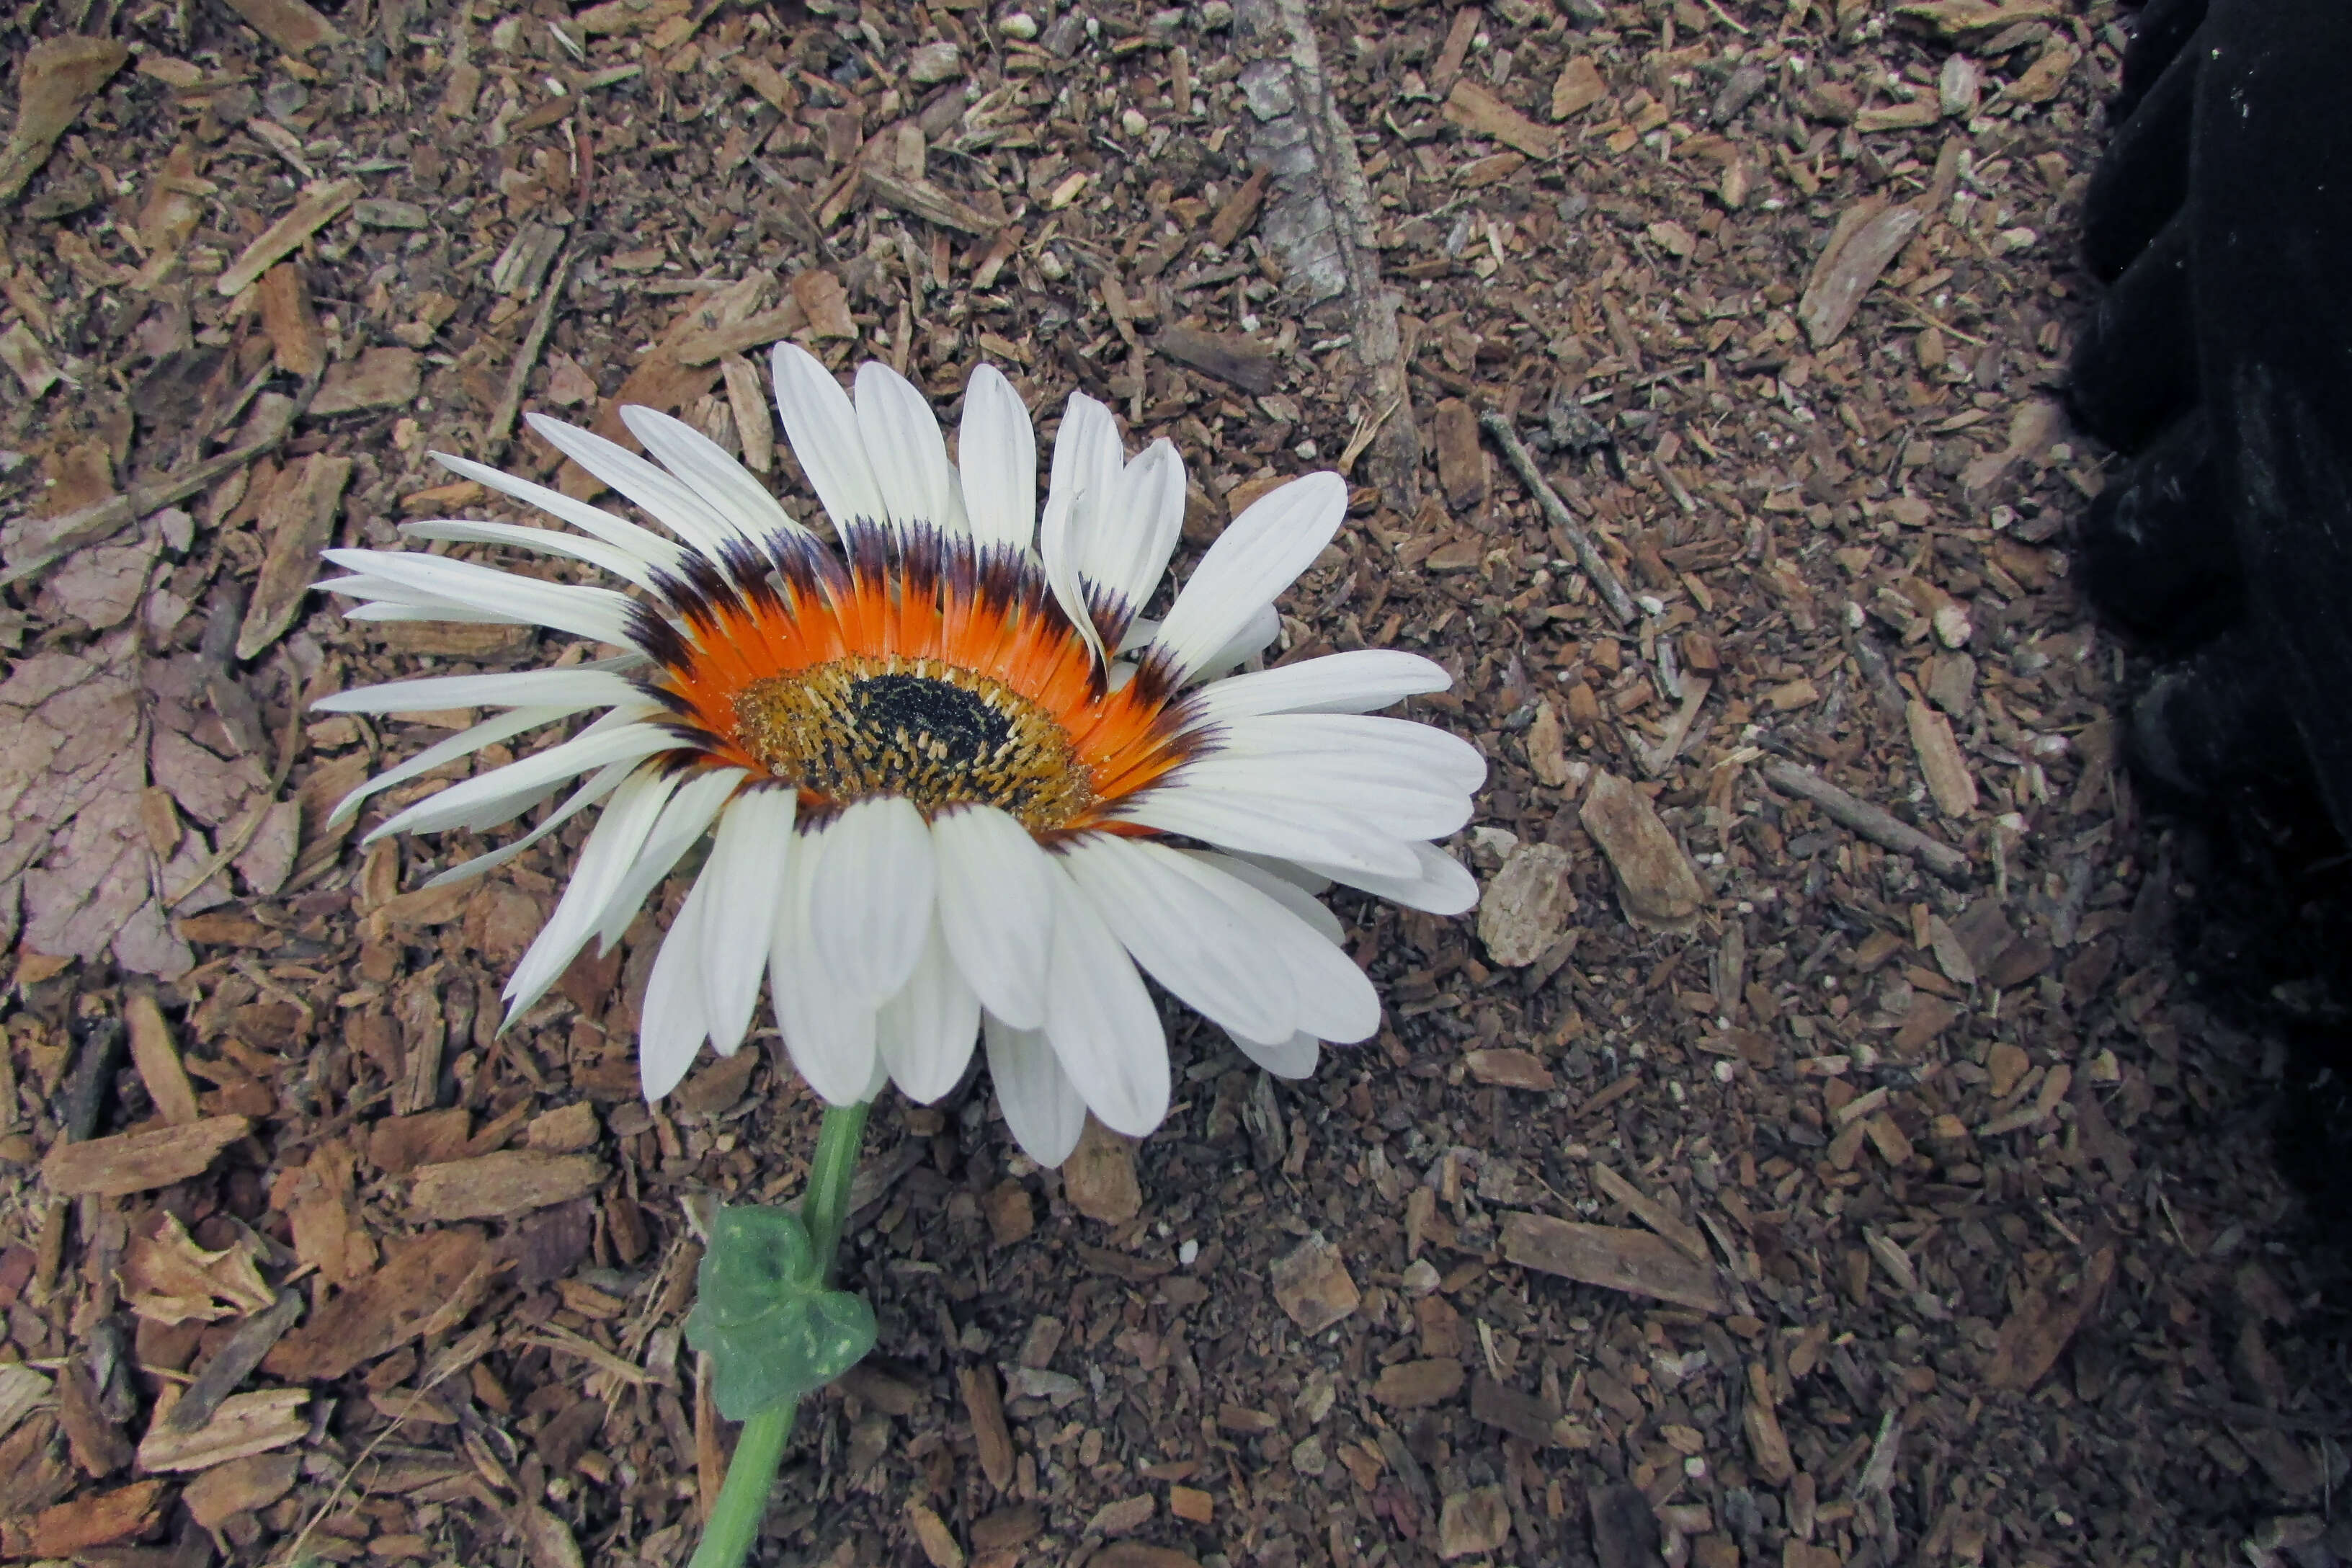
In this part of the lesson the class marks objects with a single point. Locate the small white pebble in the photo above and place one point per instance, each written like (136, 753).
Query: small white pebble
(1133, 123)
(1187, 1253)
(1018, 24)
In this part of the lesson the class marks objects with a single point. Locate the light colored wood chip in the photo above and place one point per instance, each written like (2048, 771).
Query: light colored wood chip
(1481, 113)
(244, 1426)
(1098, 1178)
(140, 1161)
(508, 1182)
(1526, 905)
(1947, 771)
(317, 205)
(1312, 1284)
(157, 1057)
(1611, 1257)
(1655, 878)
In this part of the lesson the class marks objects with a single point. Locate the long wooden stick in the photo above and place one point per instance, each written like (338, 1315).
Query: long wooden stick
(1885, 831)
(1595, 565)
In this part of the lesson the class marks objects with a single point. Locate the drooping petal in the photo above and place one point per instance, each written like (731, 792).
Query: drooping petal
(1291, 1059)
(585, 752)
(996, 451)
(1355, 682)
(662, 496)
(1042, 1107)
(1260, 554)
(1207, 949)
(619, 532)
(463, 743)
(829, 1035)
(926, 1032)
(600, 785)
(1105, 1031)
(704, 466)
(597, 876)
(605, 557)
(682, 822)
(413, 577)
(996, 909)
(1438, 883)
(821, 426)
(675, 1025)
(908, 456)
(749, 866)
(870, 907)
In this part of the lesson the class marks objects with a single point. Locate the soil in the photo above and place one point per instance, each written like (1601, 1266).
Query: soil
(1750, 1194)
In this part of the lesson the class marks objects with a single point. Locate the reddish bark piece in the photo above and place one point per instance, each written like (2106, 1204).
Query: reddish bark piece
(1412, 1384)
(94, 1518)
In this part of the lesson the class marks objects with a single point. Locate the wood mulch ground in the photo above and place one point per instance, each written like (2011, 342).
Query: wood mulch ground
(1737, 1190)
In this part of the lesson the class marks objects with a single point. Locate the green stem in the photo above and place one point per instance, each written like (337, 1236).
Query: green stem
(742, 1502)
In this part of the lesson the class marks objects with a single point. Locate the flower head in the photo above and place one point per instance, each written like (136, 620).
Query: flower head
(958, 789)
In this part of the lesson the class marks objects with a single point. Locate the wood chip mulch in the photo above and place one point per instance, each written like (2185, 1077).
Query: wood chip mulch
(1813, 1154)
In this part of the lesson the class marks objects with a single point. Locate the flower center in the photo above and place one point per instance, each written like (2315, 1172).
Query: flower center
(937, 734)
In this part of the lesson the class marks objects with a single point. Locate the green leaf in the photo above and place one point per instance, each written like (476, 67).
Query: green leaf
(763, 1315)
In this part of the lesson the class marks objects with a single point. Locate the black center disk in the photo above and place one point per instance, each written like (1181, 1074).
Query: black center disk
(946, 725)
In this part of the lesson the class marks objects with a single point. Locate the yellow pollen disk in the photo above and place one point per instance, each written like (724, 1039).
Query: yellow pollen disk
(933, 732)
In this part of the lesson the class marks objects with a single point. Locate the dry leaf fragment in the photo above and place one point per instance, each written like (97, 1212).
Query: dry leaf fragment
(168, 1278)
(58, 76)
(1947, 771)
(1579, 87)
(433, 1280)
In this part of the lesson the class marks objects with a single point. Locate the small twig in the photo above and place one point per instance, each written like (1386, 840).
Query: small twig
(95, 524)
(1882, 829)
(1595, 565)
(233, 1363)
(502, 417)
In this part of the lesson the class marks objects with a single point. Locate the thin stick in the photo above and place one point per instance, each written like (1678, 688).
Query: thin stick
(502, 417)
(1595, 565)
(1886, 832)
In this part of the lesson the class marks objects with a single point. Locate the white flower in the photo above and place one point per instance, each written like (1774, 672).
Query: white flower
(947, 768)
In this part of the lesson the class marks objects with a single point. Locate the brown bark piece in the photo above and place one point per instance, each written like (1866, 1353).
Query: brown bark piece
(1481, 113)
(240, 1486)
(1836, 290)
(292, 25)
(922, 199)
(1313, 1286)
(1766, 1440)
(319, 205)
(1650, 1212)
(244, 1426)
(1011, 1218)
(300, 522)
(1611, 1257)
(825, 302)
(1947, 771)
(751, 332)
(1579, 87)
(1232, 358)
(434, 1280)
(58, 76)
(2038, 1333)
(1654, 876)
(379, 378)
(158, 1061)
(98, 1444)
(1413, 1385)
(290, 323)
(1526, 907)
(1473, 1522)
(1510, 1069)
(983, 1404)
(1098, 1178)
(140, 1161)
(1233, 219)
(509, 1182)
(1461, 458)
(932, 1534)
(1524, 1415)
(1135, 1554)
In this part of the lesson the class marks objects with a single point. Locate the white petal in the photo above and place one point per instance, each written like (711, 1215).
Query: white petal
(903, 444)
(703, 465)
(596, 877)
(598, 613)
(1041, 1106)
(1408, 808)
(996, 907)
(926, 1032)
(821, 426)
(1354, 682)
(1334, 1001)
(1400, 747)
(1257, 557)
(1257, 634)
(602, 783)
(829, 1035)
(542, 541)
(1438, 883)
(1087, 457)
(1284, 889)
(683, 821)
(748, 870)
(1126, 540)
(871, 904)
(665, 499)
(996, 448)
(1207, 949)
(619, 532)
(1104, 1029)
(1291, 1059)
(504, 726)
(570, 690)
(585, 752)
(675, 1026)
(1295, 830)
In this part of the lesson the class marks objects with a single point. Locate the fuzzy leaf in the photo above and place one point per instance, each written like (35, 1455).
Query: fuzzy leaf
(764, 1315)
